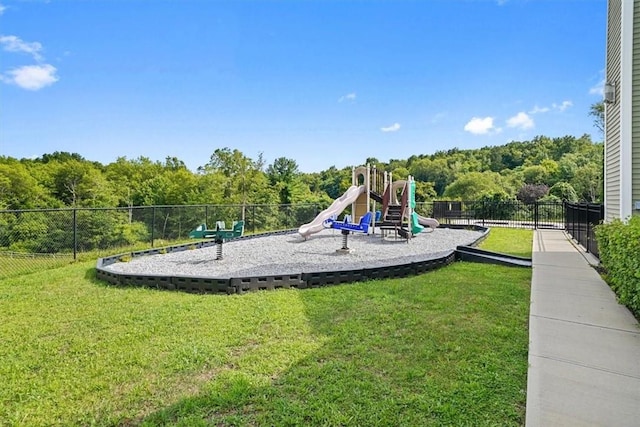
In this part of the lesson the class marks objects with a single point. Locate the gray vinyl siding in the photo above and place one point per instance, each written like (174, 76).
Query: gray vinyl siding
(612, 112)
(635, 108)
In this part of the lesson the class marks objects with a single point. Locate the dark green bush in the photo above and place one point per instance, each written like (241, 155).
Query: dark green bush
(619, 247)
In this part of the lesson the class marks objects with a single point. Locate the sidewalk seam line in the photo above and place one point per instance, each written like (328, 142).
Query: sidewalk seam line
(583, 365)
(608, 328)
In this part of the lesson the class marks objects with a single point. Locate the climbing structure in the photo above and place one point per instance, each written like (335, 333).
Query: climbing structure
(395, 200)
(375, 191)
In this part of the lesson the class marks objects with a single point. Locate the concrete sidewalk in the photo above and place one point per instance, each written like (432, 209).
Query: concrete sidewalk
(584, 347)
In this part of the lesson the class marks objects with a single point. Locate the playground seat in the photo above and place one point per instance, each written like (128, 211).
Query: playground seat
(238, 227)
(366, 219)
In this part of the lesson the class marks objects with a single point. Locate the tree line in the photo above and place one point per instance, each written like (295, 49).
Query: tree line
(543, 168)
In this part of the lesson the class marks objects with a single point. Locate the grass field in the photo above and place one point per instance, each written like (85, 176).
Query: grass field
(15, 264)
(445, 348)
(512, 241)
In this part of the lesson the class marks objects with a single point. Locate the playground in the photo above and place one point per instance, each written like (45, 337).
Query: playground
(381, 236)
(282, 254)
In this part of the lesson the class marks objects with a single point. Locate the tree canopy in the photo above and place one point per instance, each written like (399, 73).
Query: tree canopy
(568, 167)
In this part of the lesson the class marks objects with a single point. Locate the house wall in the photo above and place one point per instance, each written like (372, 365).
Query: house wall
(635, 109)
(612, 111)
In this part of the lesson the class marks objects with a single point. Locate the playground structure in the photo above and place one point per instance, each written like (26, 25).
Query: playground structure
(370, 188)
(220, 234)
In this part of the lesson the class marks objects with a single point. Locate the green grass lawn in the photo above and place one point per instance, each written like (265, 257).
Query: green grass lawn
(15, 264)
(448, 347)
(512, 241)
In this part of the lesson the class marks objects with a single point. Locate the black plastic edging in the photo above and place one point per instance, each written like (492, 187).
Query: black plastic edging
(209, 285)
(465, 253)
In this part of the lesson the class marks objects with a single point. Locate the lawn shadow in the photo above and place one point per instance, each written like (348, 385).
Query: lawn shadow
(384, 360)
(340, 383)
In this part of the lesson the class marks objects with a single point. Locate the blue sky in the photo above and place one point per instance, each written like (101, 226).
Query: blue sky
(326, 83)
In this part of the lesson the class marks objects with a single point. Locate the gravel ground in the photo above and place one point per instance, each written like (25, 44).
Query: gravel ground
(290, 254)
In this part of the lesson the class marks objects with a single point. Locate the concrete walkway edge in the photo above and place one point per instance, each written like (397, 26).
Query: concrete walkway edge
(584, 347)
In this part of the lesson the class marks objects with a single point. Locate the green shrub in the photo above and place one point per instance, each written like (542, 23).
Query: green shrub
(619, 247)
(564, 191)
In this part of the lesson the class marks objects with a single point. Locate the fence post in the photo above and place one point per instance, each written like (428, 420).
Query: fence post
(588, 237)
(577, 225)
(153, 224)
(484, 211)
(535, 215)
(572, 224)
(600, 213)
(584, 215)
(75, 234)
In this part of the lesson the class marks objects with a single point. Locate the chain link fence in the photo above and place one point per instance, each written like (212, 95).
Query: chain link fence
(31, 240)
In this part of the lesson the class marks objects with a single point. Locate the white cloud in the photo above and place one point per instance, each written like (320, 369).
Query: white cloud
(15, 44)
(537, 110)
(597, 89)
(393, 128)
(31, 77)
(348, 97)
(2, 9)
(554, 107)
(563, 106)
(481, 126)
(521, 121)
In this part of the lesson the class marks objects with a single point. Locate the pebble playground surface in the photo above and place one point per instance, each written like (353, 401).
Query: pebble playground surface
(290, 254)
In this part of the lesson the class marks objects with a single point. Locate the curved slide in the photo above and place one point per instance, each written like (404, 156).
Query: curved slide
(416, 227)
(336, 207)
(427, 222)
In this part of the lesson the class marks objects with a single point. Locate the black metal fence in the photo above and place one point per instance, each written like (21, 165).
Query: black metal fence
(50, 237)
(512, 214)
(580, 222)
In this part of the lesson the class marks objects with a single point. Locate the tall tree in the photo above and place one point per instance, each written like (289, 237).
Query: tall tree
(597, 112)
(79, 183)
(282, 170)
(60, 156)
(479, 185)
(334, 182)
(130, 178)
(242, 174)
(436, 171)
(283, 174)
(18, 189)
(588, 183)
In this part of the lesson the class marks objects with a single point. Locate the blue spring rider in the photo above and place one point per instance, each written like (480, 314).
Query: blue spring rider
(347, 227)
(361, 227)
